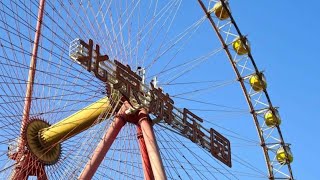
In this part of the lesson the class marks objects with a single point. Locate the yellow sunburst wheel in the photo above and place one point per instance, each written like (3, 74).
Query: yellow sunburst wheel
(48, 155)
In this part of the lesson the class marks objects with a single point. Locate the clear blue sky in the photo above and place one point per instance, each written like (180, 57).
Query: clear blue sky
(285, 37)
(284, 42)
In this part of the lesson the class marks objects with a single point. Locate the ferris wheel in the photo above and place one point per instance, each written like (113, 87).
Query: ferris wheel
(133, 90)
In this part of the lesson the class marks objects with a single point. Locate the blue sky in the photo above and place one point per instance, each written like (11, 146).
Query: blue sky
(284, 42)
(284, 36)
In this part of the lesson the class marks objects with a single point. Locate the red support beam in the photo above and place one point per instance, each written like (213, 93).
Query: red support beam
(27, 165)
(151, 159)
(32, 72)
(147, 169)
(104, 145)
(151, 145)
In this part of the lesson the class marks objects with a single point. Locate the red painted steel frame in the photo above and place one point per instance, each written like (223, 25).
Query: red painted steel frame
(104, 145)
(152, 146)
(32, 70)
(102, 148)
(148, 174)
(27, 165)
(151, 159)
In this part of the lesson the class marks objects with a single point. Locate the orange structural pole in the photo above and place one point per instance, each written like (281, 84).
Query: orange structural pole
(32, 71)
(152, 146)
(147, 169)
(104, 145)
(151, 159)
(26, 164)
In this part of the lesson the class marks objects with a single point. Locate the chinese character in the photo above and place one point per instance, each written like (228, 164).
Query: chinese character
(220, 147)
(128, 81)
(195, 134)
(99, 59)
(161, 105)
(86, 60)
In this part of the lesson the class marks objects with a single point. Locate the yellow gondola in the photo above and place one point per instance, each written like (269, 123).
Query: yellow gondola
(220, 12)
(282, 156)
(239, 47)
(272, 118)
(258, 82)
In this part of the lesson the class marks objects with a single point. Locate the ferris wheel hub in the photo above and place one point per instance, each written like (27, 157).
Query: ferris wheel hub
(48, 155)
